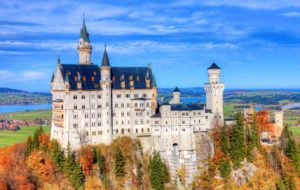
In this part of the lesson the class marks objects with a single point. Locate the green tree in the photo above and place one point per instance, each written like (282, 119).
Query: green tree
(77, 177)
(57, 155)
(119, 163)
(237, 141)
(255, 133)
(225, 140)
(36, 136)
(291, 151)
(225, 168)
(95, 155)
(158, 172)
(101, 163)
(70, 161)
(29, 146)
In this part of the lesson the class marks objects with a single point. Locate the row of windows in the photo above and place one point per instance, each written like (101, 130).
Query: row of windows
(175, 122)
(93, 106)
(93, 96)
(135, 95)
(122, 131)
(183, 113)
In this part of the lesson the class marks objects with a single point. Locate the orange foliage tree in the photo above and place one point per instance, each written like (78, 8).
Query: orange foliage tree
(42, 165)
(86, 159)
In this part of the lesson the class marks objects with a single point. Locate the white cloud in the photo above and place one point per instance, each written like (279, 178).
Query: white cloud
(129, 47)
(250, 4)
(22, 76)
(292, 14)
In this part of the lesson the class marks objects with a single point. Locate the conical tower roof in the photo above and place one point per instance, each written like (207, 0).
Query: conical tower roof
(214, 66)
(105, 59)
(83, 32)
(176, 89)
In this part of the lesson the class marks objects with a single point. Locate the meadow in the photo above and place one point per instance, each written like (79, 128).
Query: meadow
(10, 137)
(30, 115)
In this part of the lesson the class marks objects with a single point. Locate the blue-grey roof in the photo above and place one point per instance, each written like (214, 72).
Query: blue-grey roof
(176, 89)
(137, 74)
(90, 76)
(214, 66)
(187, 107)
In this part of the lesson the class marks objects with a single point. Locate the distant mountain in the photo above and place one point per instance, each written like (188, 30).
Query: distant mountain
(9, 96)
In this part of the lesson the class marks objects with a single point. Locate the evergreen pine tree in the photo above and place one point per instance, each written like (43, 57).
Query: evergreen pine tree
(250, 144)
(119, 163)
(57, 155)
(158, 172)
(255, 133)
(101, 163)
(225, 140)
(291, 149)
(36, 136)
(95, 155)
(237, 141)
(225, 168)
(70, 162)
(29, 146)
(77, 177)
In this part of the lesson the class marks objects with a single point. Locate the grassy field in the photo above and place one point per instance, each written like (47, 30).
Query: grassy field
(10, 137)
(30, 115)
(295, 130)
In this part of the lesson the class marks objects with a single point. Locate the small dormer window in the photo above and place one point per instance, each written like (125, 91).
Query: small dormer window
(130, 77)
(137, 77)
(84, 78)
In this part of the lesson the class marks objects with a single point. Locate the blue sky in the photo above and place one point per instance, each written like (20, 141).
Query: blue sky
(255, 42)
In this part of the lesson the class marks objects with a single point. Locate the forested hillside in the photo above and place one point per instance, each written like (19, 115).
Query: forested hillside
(12, 96)
(240, 161)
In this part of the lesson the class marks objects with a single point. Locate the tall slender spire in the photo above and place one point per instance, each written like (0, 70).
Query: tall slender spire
(105, 59)
(58, 60)
(83, 32)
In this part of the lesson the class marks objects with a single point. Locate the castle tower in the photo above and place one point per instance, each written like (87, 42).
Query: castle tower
(214, 93)
(176, 96)
(106, 97)
(278, 117)
(84, 47)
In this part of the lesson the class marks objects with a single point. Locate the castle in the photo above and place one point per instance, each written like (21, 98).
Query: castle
(95, 104)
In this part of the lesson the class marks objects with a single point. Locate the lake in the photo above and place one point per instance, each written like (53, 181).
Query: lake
(188, 100)
(17, 108)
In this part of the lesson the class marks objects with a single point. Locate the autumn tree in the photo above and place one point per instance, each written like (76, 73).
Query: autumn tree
(87, 159)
